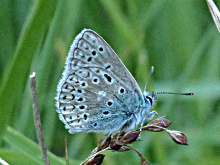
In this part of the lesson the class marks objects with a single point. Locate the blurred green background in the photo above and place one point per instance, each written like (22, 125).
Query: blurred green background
(178, 38)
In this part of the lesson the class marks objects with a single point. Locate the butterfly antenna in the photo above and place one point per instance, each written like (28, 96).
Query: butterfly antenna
(187, 94)
(151, 71)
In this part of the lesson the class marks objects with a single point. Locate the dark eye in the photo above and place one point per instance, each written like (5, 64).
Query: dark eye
(150, 99)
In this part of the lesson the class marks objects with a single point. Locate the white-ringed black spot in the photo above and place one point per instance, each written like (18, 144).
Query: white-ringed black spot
(79, 90)
(95, 80)
(89, 59)
(109, 79)
(84, 84)
(108, 66)
(101, 49)
(95, 124)
(81, 107)
(109, 103)
(106, 112)
(121, 91)
(80, 99)
(93, 52)
(85, 116)
(64, 97)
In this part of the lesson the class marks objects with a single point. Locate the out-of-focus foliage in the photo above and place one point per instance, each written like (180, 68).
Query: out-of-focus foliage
(178, 38)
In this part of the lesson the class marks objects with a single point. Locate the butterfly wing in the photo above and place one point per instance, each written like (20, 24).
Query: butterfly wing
(96, 92)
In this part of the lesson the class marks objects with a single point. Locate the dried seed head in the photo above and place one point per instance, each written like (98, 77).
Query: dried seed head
(118, 135)
(115, 146)
(130, 137)
(178, 137)
(97, 160)
(104, 143)
(157, 125)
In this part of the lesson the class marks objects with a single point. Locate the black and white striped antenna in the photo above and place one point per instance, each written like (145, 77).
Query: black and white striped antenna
(156, 93)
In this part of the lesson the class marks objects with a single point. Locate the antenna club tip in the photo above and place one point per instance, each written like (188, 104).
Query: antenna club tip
(190, 94)
(152, 69)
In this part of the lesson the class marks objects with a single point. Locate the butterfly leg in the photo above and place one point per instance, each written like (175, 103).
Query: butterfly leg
(149, 117)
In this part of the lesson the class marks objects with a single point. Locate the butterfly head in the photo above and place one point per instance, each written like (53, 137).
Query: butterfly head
(149, 99)
(146, 113)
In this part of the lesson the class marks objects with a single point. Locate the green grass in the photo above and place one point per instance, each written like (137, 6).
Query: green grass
(178, 38)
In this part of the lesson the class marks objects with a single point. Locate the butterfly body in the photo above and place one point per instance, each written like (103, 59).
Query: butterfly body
(96, 92)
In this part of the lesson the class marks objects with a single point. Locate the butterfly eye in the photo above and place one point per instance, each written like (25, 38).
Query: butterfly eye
(150, 99)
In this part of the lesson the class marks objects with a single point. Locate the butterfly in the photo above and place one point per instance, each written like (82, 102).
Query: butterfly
(97, 93)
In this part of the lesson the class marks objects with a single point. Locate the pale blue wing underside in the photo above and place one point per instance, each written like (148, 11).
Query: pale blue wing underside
(96, 92)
